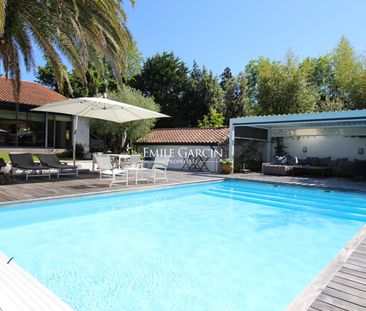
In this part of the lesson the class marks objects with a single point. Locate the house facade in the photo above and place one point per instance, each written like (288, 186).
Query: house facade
(22, 129)
(181, 143)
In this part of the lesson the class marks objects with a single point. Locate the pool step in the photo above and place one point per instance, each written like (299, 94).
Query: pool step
(292, 206)
(298, 199)
(316, 196)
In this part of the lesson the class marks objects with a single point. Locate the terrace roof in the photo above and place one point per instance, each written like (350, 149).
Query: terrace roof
(293, 120)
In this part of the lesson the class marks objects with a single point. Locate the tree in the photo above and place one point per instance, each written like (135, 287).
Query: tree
(202, 93)
(213, 119)
(347, 68)
(236, 97)
(164, 77)
(282, 89)
(133, 62)
(97, 81)
(225, 77)
(117, 132)
(83, 31)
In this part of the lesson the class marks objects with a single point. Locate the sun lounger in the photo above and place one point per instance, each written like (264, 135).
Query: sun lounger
(3, 166)
(51, 160)
(24, 162)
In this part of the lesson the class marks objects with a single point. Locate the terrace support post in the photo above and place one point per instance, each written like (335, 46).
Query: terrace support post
(76, 120)
(269, 146)
(46, 132)
(231, 141)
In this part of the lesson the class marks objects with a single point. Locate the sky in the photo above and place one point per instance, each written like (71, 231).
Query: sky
(229, 33)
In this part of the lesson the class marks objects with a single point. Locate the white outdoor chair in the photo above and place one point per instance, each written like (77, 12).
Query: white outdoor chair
(135, 161)
(135, 169)
(159, 167)
(106, 168)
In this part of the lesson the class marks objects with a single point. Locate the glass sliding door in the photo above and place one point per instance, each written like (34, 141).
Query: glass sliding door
(28, 129)
(59, 131)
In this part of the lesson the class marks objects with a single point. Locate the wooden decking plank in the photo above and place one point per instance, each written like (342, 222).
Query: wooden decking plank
(347, 289)
(360, 252)
(323, 306)
(358, 257)
(349, 265)
(345, 296)
(354, 261)
(349, 283)
(353, 272)
(352, 277)
(340, 303)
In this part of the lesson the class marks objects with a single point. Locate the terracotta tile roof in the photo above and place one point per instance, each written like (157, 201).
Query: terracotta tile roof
(31, 93)
(187, 136)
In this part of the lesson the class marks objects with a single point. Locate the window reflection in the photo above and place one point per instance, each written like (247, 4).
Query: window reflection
(27, 129)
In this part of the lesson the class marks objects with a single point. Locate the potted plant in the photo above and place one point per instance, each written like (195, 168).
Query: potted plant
(226, 166)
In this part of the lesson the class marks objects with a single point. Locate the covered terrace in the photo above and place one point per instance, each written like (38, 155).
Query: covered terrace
(340, 134)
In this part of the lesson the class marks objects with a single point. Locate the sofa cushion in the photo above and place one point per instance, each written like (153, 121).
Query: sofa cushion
(342, 161)
(303, 162)
(333, 163)
(313, 161)
(280, 160)
(292, 160)
(324, 161)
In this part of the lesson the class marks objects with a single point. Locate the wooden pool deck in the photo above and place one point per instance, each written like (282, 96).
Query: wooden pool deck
(340, 286)
(42, 188)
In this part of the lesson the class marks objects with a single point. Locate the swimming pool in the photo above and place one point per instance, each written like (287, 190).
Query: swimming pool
(216, 246)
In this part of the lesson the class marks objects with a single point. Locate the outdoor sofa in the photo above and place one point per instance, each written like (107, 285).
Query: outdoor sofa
(340, 167)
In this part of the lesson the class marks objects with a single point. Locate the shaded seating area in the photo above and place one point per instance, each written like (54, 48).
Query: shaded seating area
(51, 160)
(341, 167)
(25, 163)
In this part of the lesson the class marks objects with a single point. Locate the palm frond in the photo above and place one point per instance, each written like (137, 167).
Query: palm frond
(85, 31)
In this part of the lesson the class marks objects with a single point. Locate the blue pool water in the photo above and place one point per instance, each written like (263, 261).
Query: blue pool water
(217, 246)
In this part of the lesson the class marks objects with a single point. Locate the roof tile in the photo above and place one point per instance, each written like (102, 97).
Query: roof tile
(31, 93)
(187, 136)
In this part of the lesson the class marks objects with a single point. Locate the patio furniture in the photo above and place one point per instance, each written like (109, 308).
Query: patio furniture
(201, 164)
(122, 158)
(106, 169)
(159, 167)
(51, 160)
(322, 170)
(3, 172)
(277, 169)
(197, 163)
(135, 169)
(135, 162)
(24, 162)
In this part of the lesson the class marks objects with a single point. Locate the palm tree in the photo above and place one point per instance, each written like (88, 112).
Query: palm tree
(84, 31)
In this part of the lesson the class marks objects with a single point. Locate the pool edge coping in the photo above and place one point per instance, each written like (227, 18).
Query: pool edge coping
(110, 191)
(309, 294)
